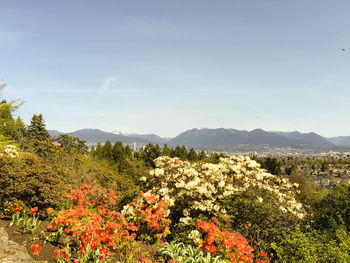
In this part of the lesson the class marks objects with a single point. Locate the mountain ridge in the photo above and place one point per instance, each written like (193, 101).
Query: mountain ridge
(218, 138)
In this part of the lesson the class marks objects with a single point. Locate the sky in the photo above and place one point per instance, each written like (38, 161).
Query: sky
(163, 67)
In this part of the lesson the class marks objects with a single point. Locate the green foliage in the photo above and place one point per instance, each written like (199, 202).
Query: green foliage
(166, 150)
(37, 129)
(9, 126)
(333, 210)
(149, 153)
(271, 164)
(71, 144)
(188, 254)
(260, 222)
(86, 167)
(305, 186)
(31, 180)
(312, 247)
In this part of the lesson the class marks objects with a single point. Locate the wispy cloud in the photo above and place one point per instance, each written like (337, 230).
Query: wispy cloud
(108, 83)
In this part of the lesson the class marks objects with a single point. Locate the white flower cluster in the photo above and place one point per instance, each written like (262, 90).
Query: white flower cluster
(201, 186)
(10, 150)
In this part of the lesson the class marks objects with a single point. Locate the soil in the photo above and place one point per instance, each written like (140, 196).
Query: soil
(27, 239)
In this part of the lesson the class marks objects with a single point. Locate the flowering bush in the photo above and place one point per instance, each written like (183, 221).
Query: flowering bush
(10, 150)
(150, 215)
(98, 229)
(193, 188)
(217, 241)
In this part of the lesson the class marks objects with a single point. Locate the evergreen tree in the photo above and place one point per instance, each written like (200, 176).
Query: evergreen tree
(192, 156)
(118, 152)
(166, 150)
(150, 153)
(93, 151)
(107, 151)
(119, 156)
(99, 151)
(72, 144)
(37, 129)
(127, 151)
(202, 155)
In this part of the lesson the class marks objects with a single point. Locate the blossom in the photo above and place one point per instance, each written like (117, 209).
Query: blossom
(35, 248)
(34, 210)
(18, 208)
(200, 185)
(49, 210)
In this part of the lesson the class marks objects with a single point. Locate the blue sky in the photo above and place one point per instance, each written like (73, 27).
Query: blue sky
(167, 66)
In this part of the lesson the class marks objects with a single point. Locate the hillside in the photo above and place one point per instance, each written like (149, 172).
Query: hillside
(221, 138)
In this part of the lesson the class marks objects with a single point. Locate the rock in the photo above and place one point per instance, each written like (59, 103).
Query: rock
(12, 252)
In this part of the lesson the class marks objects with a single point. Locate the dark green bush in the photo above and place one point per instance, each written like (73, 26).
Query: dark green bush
(31, 180)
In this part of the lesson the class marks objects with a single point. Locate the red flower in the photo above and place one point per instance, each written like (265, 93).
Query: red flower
(18, 208)
(262, 254)
(34, 210)
(67, 231)
(57, 252)
(50, 227)
(35, 248)
(173, 261)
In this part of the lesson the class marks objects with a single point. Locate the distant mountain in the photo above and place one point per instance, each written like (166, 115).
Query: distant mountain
(218, 139)
(149, 137)
(312, 139)
(54, 133)
(340, 140)
(228, 138)
(94, 136)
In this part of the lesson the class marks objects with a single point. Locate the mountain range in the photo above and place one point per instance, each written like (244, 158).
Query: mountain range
(217, 139)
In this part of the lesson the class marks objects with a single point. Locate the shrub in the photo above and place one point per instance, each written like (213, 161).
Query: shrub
(312, 247)
(333, 210)
(31, 180)
(203, 190)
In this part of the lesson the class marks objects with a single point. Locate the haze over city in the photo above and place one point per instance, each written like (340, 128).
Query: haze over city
(167, 66)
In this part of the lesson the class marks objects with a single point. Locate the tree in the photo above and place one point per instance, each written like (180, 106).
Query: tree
(107, 151)
(72, 144)
(166, 150)
(192, 156)
(202, 155)
(151, 152)
(9, 126)
(37, 128)
(127, 151)
(99, 151)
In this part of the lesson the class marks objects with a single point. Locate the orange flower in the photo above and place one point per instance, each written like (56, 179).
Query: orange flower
(35, 248)
(50, 227)
(49, 210)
